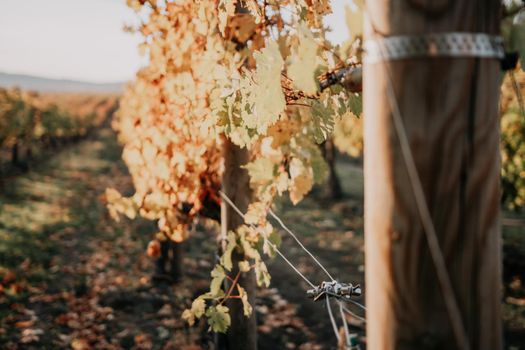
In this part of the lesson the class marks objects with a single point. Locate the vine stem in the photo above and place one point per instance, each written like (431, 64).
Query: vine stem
(298, 104)
(228, 294)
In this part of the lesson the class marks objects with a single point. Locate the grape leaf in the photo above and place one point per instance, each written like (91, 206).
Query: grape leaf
(322, 121)
(303, 61)
(244, 266)
(355, 103)
(271, 243)
(261, 273)
(267, 94)
(247, 308)
(301, 180)
(260, 170)
(226, 258)
(218, 318)
(319, 167)
(197, 310)
(218, 276)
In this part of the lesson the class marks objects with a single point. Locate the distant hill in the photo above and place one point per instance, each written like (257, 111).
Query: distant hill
(27, 82)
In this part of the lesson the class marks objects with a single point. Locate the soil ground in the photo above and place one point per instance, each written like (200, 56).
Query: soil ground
(70, 277)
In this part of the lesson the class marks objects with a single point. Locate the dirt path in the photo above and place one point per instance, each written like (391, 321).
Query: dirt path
(70, 277)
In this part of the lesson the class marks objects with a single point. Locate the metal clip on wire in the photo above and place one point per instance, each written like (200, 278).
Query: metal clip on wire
(334, 289)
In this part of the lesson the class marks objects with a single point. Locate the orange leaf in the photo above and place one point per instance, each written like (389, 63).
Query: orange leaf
(24, 324)
(153, 249)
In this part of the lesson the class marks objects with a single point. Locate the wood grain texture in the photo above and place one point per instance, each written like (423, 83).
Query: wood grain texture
(449, 109)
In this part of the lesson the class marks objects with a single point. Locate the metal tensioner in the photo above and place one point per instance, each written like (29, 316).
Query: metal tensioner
(334, 289)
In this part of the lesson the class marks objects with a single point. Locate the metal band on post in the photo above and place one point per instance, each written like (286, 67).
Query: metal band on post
(453, 44)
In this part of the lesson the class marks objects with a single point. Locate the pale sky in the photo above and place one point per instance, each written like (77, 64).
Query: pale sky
(81, 39)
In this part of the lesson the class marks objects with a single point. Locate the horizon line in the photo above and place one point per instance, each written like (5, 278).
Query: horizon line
(68, 79)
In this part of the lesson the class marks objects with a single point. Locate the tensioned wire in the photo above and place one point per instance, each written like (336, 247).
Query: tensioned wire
(342, 309)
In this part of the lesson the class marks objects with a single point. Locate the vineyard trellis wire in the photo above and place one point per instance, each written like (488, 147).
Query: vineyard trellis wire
(342, 309)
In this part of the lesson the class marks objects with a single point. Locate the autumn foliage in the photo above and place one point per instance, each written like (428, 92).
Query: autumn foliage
(248, 71)
(37, 120)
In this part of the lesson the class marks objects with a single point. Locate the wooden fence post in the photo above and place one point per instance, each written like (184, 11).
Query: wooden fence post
(449, 109)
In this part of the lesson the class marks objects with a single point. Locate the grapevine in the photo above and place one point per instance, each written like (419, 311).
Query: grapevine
(251, 75)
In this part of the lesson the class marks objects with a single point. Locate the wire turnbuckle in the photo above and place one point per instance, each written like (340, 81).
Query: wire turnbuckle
(334, 289)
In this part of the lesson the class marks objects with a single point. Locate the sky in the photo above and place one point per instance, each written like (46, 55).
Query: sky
(82, 39)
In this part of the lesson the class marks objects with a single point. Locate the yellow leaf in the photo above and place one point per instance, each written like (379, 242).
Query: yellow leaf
(247, 308)
(301, 180)
(303, 61)
(268, 96)
(256, 213)
(354, 18)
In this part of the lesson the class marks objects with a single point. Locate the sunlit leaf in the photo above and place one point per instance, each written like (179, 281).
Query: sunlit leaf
(303, 61)
(247, 308)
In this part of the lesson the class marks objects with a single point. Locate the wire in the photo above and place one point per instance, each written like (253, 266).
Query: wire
(238, 211)
(345, 324)
(278, 219)
(342, 309)
(347, 300)
(332, 319)
(289, 263)
(353, 314)
(229, 201)
(355, 303)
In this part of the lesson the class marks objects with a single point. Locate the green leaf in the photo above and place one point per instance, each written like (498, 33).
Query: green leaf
(517, 38)
(275, 238)
(319, 166)
(218, 318)
(218, 276)
(355, 103)
(322, 121)
(247, 308)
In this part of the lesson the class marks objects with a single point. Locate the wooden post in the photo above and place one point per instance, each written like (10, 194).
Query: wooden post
(449, 108)
(242, 334)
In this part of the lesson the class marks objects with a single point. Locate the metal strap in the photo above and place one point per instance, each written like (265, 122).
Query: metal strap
(433, 45)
